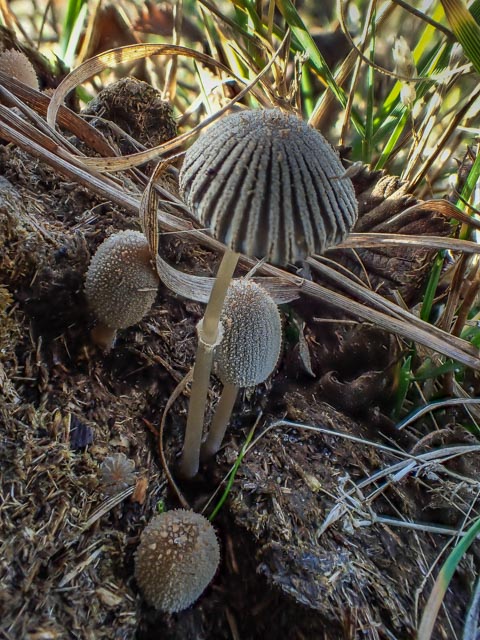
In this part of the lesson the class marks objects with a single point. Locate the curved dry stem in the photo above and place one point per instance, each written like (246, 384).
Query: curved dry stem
(220, 421)
(207, 340)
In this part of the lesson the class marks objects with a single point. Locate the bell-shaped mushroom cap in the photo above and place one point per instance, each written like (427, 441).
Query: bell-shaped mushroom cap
(121, 284)
(176, 559)
(268, 185)
(252, 335)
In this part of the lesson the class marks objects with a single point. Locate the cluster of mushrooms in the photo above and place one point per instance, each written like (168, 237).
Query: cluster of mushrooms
(266, 185)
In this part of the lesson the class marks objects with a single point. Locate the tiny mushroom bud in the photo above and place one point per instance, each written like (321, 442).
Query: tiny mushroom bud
(18, 66)
(121, 284)
(266, 184)
(176, 559)
(248, 352)
(117, 472)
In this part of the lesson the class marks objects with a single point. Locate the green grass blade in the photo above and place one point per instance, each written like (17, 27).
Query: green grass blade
(74, 8)
(367, 140)
(233, 473)
(443, 580)
(392, 141)
(403, 385)
(470, 183)
(465, 28)
(432, 285)
(303, 36)
(316, 59)
(475, 11)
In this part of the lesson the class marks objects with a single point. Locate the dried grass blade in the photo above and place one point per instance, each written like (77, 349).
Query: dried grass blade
(470, 629)
(459, 350)
(440, 341)
(65, 117)
(101, 185)
(148, 209)
(134, 52)
(465, 28)
(364, 240)
(198, 288)
(120, 55)
(383, 304)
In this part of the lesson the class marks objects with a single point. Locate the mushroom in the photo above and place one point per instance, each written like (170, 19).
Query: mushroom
(267, 185)
(121, 284)
(117, 472)
(248, 352)
(176, 559)
(18, 66)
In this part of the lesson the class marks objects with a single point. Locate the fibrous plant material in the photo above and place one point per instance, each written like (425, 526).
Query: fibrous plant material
(177, 558)
(248, 352)
(121, 284)
(138, 109)
(16, 64)
(267, 185)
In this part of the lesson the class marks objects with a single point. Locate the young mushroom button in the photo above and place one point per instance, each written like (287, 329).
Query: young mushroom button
(267, 185)
(176, 559)
(248, 352)
(121, 284)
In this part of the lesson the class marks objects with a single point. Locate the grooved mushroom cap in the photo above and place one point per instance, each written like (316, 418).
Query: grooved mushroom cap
(268, 185)
(176, 559)
(121, 284)
(252, 335)
(16, 64)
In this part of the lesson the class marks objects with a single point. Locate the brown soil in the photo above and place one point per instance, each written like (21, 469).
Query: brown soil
(66, 568)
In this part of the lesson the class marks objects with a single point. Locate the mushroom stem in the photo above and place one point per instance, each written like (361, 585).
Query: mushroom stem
(207, 341)
(103, 336)
(209, 329)
(220, 421)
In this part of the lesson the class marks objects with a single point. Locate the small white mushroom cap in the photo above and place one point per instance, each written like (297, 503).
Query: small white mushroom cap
(252, 335)
(268, 185)
(176, 559)
(121, 284)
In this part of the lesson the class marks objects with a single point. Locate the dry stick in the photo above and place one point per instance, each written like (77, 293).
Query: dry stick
(220, 421)
(207, 340)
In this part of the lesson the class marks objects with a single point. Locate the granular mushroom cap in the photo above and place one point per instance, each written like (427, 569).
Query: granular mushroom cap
(121, 284)
(176, 559)
(252, 335)
(269, 185)
(18, 66)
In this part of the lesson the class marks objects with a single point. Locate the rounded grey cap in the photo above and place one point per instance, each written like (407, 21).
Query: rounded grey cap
(176, 559)
(121, 284)
(252, 335)
(268, 185)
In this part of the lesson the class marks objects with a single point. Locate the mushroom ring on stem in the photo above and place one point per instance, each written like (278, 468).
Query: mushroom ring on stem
(267, 185)
(248, 352)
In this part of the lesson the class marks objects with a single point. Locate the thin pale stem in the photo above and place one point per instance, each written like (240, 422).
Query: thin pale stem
(209, 328)
(220, 421)
(207, 339)
(103, 336)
